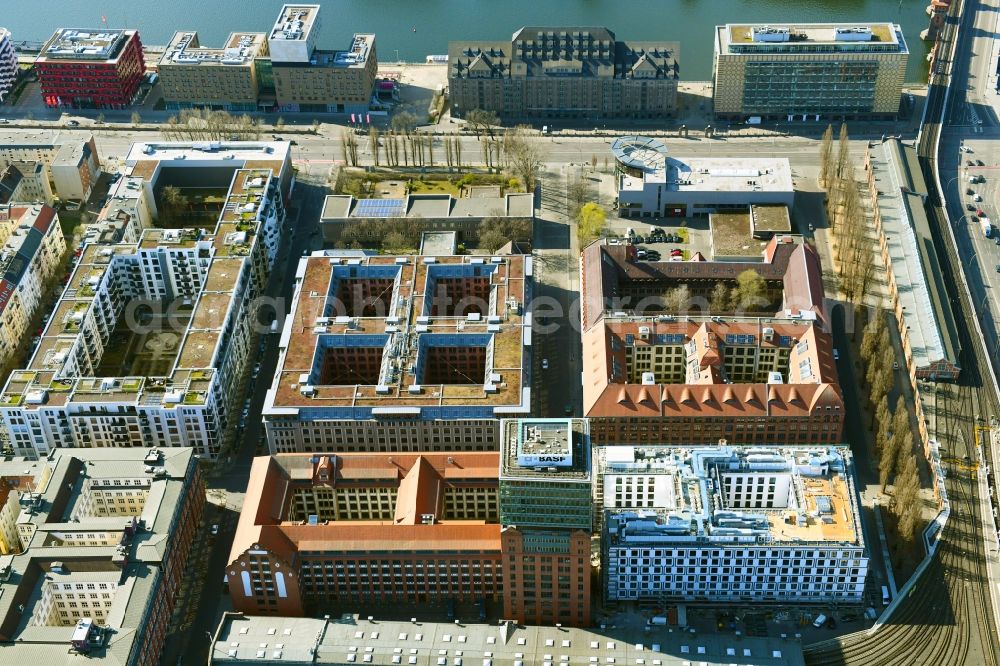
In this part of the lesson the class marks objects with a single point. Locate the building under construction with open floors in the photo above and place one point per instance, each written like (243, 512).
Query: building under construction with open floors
(150, 342)
(417, 527)
(402, 353)
(731, 524)
(104, 536)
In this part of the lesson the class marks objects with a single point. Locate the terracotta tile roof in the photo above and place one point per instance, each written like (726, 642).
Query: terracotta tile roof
(811, 371)
(421, 478)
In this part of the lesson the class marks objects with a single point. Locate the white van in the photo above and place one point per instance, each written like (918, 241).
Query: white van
(885, 596)
(819, 621)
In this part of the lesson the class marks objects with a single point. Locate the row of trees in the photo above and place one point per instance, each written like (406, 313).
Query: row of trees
(208, 125)
(847, 217)
(894, 438)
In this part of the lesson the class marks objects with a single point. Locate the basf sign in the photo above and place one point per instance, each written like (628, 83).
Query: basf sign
(545, 459)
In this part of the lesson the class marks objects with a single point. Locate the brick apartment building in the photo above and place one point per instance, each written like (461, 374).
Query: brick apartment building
(402, 526)
(546, 514)
(657, 378)
(91, 69)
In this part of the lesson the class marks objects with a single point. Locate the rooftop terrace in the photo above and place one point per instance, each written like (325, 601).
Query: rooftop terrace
(240, 49)
(811, 37)
(73, 44)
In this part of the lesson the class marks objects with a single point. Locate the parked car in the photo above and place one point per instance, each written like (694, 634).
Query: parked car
(215, 529)
(836, 354)
(970, 207)
(545, 364)
(969, 163)
(970, 191)
(980, 213)
(73, 123)
(675, 252)
(979, 163)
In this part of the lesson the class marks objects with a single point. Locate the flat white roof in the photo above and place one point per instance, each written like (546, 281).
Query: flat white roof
(716, 174)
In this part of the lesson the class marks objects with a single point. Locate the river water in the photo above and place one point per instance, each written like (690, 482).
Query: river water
(412, 29)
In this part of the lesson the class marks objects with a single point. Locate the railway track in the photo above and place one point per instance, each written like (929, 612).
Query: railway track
(947, 617)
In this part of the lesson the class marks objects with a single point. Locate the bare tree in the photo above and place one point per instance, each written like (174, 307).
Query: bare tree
(826, 157)
(373, 141)
(404, 122)
(136, 117)
(843, 151)
(524, 157)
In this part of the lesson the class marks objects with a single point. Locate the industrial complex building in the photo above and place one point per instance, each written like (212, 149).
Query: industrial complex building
(150, 342)
(808, 71)
(651, 184)
(731, 524)
(8, 64)
(406, 526)
(103, 536)
(651, 376)
(438, 212)
(64, 165)
(228, 78)
(924, 318)
(546, 519)
(31, 247)
(243, 640)
(308, 79)
(402, 353)
(91, 69)
(564, 72)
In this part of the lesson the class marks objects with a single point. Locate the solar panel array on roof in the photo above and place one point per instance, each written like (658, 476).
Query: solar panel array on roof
(380, 208)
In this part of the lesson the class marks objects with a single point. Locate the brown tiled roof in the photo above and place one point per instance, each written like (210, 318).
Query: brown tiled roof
(421, 477)
(606, 395)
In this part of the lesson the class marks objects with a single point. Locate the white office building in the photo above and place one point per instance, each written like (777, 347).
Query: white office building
(650, 183)
(151, 340)
(8, 64)
(730, 524)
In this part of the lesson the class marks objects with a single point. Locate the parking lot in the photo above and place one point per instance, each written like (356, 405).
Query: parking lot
(665, 237)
